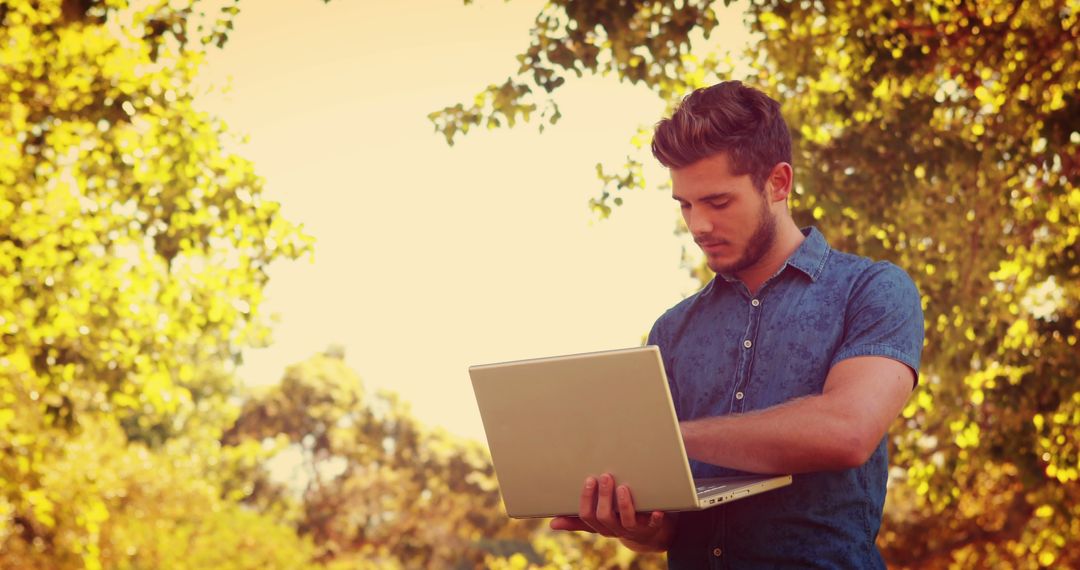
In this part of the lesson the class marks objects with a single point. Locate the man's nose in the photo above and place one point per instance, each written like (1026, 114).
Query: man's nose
(698, 223)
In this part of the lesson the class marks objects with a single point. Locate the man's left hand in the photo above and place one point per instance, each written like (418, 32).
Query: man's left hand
(608, 509)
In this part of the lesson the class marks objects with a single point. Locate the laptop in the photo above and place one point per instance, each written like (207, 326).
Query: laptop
(551, 422)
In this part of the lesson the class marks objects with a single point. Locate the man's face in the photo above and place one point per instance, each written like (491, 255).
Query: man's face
(728, 217)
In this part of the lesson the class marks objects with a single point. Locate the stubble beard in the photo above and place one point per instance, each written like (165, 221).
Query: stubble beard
(760, 242)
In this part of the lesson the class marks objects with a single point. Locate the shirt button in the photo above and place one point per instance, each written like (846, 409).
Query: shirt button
(738, 395)
(747, 343)
(755, 302)
(716, 552)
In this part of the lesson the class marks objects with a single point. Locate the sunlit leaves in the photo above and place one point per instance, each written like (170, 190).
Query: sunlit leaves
(491, 108)
(1058, 434)
(943, 141)
(379, 488)
(642, 42)
(942, 136)
(133, 251)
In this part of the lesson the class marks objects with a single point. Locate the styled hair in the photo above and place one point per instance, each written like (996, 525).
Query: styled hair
(727, 117)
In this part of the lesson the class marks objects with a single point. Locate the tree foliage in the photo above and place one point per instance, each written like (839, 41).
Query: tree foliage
(939, 135)
(133, 256)
(133, 251)
(381, 490)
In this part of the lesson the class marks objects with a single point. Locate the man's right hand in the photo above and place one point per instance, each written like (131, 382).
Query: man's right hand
(608, 510)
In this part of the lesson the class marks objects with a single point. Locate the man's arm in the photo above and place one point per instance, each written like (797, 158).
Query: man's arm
(838, 429)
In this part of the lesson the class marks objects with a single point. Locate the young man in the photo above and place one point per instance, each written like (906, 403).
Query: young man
(795, 358)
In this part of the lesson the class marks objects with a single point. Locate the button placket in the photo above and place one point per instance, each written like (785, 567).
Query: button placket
(738, 404)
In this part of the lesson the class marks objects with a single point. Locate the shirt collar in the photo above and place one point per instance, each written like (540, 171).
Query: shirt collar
(809, 257)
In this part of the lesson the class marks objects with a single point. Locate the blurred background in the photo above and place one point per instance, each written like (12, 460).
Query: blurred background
(249, 249)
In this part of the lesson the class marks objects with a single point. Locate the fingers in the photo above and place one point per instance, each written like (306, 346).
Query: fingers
(634, 523)
(587, 504)
(627, 516)
(608, 509)
(570, 524)
(605, 511)
(595, 505)
(587, 507)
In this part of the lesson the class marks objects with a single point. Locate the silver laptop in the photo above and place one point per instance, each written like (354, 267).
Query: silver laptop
(551, 422)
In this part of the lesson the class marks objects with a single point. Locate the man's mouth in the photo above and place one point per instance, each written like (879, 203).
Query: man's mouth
(713, 248)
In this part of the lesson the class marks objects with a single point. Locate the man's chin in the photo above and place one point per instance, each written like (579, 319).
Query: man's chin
(726, 265)
(720, 267)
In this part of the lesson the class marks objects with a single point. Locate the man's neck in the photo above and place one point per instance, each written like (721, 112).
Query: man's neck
(788, 239)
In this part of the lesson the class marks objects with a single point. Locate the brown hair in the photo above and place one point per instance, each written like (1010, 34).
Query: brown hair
(726, 117)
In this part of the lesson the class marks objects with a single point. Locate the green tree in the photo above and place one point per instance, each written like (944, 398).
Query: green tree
(382, 489)
(939, 135)
(133, 255)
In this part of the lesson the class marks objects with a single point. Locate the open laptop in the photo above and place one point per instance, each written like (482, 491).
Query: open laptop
(550, 422)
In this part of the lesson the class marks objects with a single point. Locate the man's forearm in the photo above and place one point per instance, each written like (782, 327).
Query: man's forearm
(808, 434)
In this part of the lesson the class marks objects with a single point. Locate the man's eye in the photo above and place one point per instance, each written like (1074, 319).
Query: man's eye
(718, 205)
(684, 205)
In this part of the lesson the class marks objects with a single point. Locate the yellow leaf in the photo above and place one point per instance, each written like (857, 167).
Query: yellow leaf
(881, 91)
(518, 561)
(977, 397)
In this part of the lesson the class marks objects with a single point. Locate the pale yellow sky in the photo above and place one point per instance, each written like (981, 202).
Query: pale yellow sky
(430, 258)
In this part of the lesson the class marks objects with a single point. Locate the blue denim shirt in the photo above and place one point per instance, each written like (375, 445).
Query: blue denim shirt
(727, 352)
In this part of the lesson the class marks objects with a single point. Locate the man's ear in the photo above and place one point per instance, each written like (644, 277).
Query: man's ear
(779, 182)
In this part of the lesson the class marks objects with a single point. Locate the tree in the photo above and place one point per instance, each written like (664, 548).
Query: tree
(133, 251)
(382, 489)
(941, 136)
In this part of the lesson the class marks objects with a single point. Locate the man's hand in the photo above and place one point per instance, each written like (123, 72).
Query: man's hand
(608, 509)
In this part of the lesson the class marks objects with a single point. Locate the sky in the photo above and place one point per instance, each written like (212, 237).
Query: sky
(431, 258)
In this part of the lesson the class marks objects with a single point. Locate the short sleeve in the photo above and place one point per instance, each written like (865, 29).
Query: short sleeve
(884, 317)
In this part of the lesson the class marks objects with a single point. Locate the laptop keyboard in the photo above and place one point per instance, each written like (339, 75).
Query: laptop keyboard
(719, 483)
(707, 487)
